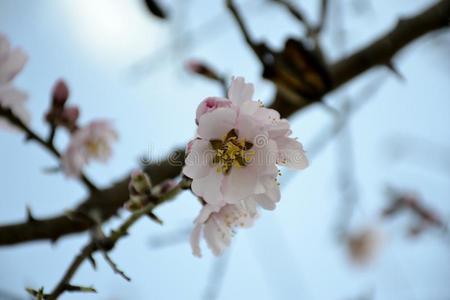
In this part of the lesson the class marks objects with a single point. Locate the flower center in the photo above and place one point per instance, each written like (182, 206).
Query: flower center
(231, 152)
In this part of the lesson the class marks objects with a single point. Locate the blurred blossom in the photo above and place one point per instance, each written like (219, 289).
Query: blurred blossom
(11, 60)
(364, 245)
(11, 63)
(233, 161)
(90, 142)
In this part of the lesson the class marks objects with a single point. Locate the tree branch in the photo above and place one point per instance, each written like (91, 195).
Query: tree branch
(381, 51)
(106, 202)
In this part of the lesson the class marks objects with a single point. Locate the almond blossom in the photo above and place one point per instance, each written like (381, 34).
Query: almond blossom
(11, 63)
(90, 142)
(233, 160)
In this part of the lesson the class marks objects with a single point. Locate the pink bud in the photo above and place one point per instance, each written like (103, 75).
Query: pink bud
(60, 93)
(71, 114)
(210, 104)
(201, 68)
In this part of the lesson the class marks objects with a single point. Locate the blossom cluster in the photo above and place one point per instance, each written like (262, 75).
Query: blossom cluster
(89, 142)
(233, 163)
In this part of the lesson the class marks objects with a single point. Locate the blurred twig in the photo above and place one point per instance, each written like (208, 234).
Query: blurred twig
(108, 242)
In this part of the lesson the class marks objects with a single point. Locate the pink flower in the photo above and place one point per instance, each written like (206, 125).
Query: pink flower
(90, 142)
(238, 144)
(218, 228)
(11, 60)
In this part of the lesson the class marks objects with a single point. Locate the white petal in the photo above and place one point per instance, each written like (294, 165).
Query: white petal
(217, 236)
(240, 91)
(247, 128)
(291, 153)
(249, 107)
(239, 184)
(216, 124)
(265, 202)
(198, 161)
(208, 187)
(195, 240)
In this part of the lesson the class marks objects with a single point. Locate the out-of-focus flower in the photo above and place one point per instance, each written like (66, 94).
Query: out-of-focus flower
(11, 63)
(11, 60)
(238, 144)
(90, 142)
(363, 246)
(218, 228)
(15, 100)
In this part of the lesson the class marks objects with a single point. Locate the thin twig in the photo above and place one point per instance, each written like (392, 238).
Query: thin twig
(114, 266)
(259, 49)
(322, 17)
(109, 242)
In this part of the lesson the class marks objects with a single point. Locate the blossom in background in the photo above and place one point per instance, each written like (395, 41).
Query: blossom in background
(90, 142)
(11, 63)
(233, 160)
(364, 245)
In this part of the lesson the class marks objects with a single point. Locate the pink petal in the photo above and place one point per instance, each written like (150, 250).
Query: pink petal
(240, 91)
(239, 184)
(208, 187)
(291, 153)
(195, 240)
(198, 161)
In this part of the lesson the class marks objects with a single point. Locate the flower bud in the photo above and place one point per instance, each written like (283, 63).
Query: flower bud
(209, 105)
(60, 94)
(69, 117)
(200, 68)
(140, 182)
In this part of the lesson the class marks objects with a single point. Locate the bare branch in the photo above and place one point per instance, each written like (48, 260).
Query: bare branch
(380, 52)
(259, 49)
(322, 17)
(106, 202)
(297, 13)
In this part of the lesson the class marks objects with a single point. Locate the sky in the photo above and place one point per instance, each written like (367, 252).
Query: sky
(123, 65)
